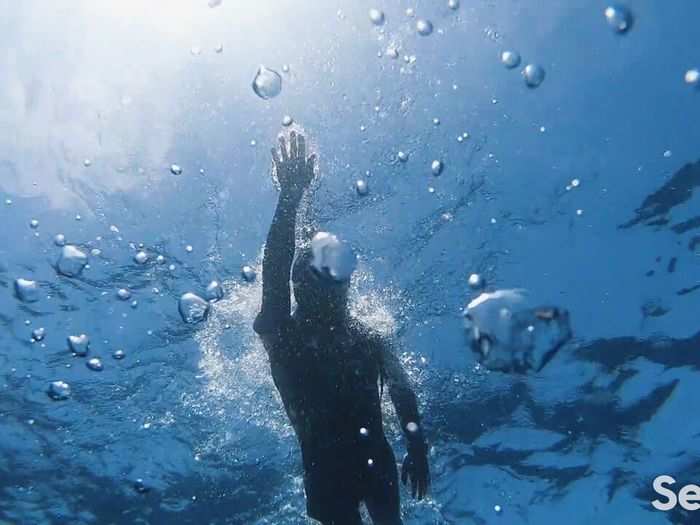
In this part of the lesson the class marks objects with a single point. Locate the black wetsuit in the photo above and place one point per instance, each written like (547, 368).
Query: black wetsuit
(330, 386)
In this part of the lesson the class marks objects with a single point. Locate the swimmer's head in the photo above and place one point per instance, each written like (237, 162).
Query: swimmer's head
(321, 274)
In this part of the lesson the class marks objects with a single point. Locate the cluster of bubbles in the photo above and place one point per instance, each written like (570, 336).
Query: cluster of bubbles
(71, 262)
(533, 74)
(195, 309)
(424, 27)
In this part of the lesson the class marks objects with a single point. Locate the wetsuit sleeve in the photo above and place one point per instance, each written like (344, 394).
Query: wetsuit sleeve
(402, 395)
(277, 262)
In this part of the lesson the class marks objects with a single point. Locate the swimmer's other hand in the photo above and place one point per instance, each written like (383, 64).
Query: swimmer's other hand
(415, 468)
(294, 170)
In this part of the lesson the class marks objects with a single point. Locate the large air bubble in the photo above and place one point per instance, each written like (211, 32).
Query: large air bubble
(193, 308)
(267, 83)
(72, 261)
(509, 332)
(26, 290)
(332, 258)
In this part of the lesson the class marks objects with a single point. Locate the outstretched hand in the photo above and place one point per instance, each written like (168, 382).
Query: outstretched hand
(294, 170)
(415, 468)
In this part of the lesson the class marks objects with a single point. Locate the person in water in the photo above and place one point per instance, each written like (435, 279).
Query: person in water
(330, 371)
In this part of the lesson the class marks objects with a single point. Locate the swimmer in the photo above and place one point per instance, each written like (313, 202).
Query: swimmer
(330, 371)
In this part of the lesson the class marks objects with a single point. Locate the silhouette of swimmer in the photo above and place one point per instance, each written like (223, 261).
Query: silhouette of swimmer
(330, 370)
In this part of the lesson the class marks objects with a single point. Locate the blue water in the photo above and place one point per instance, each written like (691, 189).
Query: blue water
(191, 410)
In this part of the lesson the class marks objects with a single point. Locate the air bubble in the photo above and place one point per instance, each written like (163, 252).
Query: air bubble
(619, 18)
(424, 27)
(79, 344)
(139, 485)
(59, 239)
(267, 83)
(692, 78)
(176, 169)
(38, 334)
(26, 290)
(71, 261)
(287, 121)
(123, 294)
(402, 156)
(436, 167)
(34, 224)
(376, 16)
(361, 187)
(59, 390)
(141, 257)
(332, 257)
(533, 75)
(193, 308)
(510, 59)
(453, 4)
(248, 273)
(214, 291)
(118, 354)
(475, 281)
(94, 363)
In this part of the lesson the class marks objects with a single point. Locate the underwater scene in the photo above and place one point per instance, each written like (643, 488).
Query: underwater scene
(399, 261)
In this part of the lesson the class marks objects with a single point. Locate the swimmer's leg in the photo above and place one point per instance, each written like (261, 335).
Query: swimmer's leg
(382, 500)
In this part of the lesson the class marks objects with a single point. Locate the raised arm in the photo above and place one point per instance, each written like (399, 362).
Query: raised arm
(415, 463)
(294, 172)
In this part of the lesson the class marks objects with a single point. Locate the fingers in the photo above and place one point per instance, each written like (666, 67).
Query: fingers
(404, 470)
(423, 486)
(414, 486)
(311, 163)
(283, 150)
(275, 157)
(293, 153)
(301, 147)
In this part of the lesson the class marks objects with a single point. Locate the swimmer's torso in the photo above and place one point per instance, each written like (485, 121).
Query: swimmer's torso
(329, 386)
